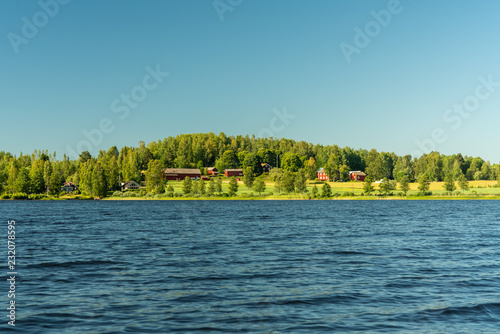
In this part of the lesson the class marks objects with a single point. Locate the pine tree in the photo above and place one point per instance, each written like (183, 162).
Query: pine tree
(218, 186)
(314, 192)
(233, 186)
(423, 184)
(186, 185)
(202, 187)
(368, 185)
(326, 190)
(463, 183)
(449, 183)
(300, 182)
(248, 177)
(99, 184)
(22, 183)
(404, 184)
(211, 187)
(194, 187)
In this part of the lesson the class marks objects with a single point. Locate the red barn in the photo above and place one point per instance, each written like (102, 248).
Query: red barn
(357, 175)
(181, 173)
(213, 171)
(322, 176)
(233, 172)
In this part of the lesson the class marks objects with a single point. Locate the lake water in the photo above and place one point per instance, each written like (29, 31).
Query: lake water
(254, 266)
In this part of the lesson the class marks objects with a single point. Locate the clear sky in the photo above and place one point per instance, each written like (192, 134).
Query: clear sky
(373, 74)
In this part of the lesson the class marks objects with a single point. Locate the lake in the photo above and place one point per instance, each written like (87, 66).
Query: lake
(254, 266)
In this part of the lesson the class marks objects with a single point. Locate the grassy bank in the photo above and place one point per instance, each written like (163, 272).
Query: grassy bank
(479, 190)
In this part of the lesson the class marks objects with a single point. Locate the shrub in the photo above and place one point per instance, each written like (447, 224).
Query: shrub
(118, 194)
(20, 196)
(5, 196)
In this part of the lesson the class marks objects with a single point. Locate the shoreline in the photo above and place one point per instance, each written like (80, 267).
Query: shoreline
(354, 198)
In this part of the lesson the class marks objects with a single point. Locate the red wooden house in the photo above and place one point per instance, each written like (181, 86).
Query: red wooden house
(233, 172)
(322, 176)
(357, 175)
(212, 171)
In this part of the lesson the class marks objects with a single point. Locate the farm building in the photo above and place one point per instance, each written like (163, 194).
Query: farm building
(181, 173)
(357, 175)
(322, 176)
(69, 187)
(213, 171)
(129, 185)
(266, 168)
(233, 172)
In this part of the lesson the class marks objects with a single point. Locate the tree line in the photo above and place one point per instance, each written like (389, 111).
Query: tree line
(42, 172)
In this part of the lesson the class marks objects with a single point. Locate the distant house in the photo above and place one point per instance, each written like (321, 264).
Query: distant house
(69, 187)
(213, 171)
(322, 176)
(129, 185)
(357, 175)
(181, 173)
(266, 168)
(233, 172)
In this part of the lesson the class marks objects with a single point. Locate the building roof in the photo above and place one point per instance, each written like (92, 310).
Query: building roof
(182, 171)
(128, 182)
(320, 170)
(357, 172)
(211, 168)
(233, 170)
(264, 163)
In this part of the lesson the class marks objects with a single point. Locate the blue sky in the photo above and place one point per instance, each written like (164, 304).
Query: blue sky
(235, 70)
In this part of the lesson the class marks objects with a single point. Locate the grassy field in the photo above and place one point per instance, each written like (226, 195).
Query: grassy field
(344, 190)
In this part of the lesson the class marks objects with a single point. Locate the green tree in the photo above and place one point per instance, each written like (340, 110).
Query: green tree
(22, 183)
(314, 191)
(211, 187)
(194, 187)
(423, 184)
(202, 187)
(218, 186)
(326, 190)
(300, 182)
(385, 186)
(233, 186)
(248, 177)
(291, 162)
(449, 183)
(37, 185)
(368, 185)
(312, 169)
(463, 183)
(187, 184)
(99, 185)
(155, 183)
(288, 181)
(404, 183)
(260, 185)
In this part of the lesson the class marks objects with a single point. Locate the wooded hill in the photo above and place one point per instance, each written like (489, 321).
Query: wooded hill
(42, 172)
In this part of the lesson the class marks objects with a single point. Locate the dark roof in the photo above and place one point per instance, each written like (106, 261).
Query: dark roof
(182, 171)
(233, 170)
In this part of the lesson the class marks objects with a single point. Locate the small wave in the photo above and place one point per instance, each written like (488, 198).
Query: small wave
(71, 264)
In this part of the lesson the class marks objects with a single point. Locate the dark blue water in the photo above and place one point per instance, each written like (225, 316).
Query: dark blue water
(255, 266)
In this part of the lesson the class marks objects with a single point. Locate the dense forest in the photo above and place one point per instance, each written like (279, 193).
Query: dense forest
(42, 172)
